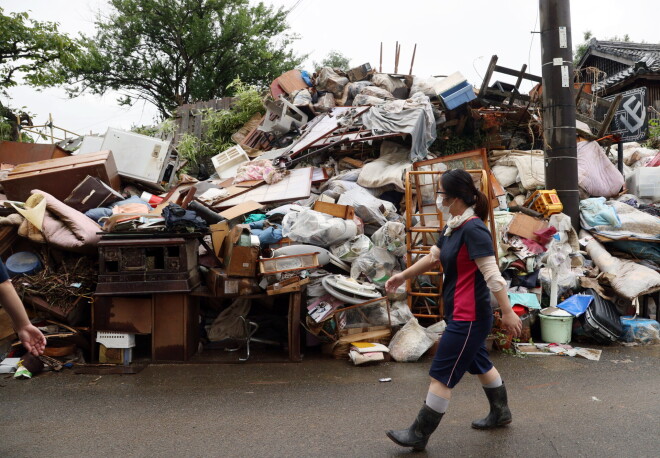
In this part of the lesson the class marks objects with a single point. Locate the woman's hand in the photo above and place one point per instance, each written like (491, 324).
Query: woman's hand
(512, 323)
(394, 282)
(32, 339)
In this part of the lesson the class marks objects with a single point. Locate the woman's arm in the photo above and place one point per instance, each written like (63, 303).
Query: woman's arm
(31, 337)
(496, 283)
(423, 265)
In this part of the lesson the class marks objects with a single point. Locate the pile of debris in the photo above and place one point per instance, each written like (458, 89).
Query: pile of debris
(321, 200)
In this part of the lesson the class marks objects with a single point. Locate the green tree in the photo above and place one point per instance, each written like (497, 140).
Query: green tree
(334, 59)
(172, 52)
(29, 52)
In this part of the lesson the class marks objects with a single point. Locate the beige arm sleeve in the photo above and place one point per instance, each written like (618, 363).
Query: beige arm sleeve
(488, 268)
(435, 253)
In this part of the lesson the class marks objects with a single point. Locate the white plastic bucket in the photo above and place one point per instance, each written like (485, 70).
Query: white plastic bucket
(556, 329)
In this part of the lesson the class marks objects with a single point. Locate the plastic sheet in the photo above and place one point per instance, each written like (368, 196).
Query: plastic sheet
(410, 343)
(368, 207)
(309, 226)
(640, 330)
(392, 237)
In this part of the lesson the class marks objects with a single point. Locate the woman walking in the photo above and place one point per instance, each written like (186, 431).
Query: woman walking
(465, 250)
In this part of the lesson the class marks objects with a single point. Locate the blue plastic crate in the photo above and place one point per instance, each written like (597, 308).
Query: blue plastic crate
(458, 95)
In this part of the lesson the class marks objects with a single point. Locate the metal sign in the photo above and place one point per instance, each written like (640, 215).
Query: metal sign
(630, 120)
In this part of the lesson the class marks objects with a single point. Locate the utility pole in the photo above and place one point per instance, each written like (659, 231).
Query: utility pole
(561, 170)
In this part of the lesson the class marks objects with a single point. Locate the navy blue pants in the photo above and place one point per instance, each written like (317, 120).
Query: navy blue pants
(462, 348)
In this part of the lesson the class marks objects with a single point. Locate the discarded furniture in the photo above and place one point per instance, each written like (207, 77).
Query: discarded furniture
(16, 153)
(60, 176)
(143, 158)
(588, 106)
(282, 117)
(142, 265)
(170, 319)
(506, 96)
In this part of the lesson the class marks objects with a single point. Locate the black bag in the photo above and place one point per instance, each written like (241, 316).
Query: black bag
(601, 321)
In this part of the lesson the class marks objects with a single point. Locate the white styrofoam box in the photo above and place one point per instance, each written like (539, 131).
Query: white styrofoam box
(449, 82)
(137, 156)
(115, 339)
(227, 162)
(644, 182)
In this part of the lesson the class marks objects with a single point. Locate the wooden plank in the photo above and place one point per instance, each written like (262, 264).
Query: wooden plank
(512, 72)
(294, 326)
(517, 85)
(609, 116)
(489, 74)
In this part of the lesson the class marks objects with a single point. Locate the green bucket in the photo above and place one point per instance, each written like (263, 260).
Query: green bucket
(556, 329)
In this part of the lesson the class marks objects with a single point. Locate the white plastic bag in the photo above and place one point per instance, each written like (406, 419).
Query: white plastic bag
(309, 226)
(410, 343)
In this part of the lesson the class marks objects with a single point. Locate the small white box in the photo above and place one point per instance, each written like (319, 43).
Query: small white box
(227, 162)
(115, 339)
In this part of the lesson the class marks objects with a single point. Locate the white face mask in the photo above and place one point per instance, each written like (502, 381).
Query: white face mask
(443, 208)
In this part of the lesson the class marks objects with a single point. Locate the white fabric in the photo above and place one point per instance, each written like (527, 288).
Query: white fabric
(457, 220)
(488, 268)
(505, 174)
(596, 174)
(389, 168)
(531, 168)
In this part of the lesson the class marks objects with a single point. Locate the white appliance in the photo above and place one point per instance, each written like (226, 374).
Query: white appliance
(141, 157)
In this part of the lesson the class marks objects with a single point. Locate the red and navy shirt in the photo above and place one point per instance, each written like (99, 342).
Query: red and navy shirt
(465, 293)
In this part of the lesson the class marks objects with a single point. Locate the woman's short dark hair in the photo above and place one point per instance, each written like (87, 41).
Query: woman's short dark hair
(458, 183)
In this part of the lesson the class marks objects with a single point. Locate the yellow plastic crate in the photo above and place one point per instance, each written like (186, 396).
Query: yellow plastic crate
(545, 202)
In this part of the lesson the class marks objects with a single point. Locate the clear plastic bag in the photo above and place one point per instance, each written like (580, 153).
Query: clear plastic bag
(410, 343)
(392, 237)
(377, 265)
(350, 250)
(400, 313)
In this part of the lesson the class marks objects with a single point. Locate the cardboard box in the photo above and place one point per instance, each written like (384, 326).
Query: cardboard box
(222, 285)
(524, 226)
(240, 261)
(219, 232)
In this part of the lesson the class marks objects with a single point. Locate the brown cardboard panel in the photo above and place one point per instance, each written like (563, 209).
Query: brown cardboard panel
(241, 209)
(242, 261)
(219, 232)
(524, 226)
(222, 285)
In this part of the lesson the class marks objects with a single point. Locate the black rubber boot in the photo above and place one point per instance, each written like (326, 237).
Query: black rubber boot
(418, 434)
(499, 414)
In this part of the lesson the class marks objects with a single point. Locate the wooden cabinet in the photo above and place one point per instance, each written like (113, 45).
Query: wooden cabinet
(171, 320)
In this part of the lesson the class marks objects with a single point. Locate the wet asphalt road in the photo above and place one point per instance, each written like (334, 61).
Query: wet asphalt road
(562, 406)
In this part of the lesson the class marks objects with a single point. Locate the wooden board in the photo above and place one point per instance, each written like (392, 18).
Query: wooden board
(297, 185)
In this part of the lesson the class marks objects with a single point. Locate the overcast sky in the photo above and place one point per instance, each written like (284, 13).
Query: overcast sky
(450, 36)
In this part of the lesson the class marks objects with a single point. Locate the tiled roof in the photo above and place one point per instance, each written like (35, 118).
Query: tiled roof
(645, 58)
